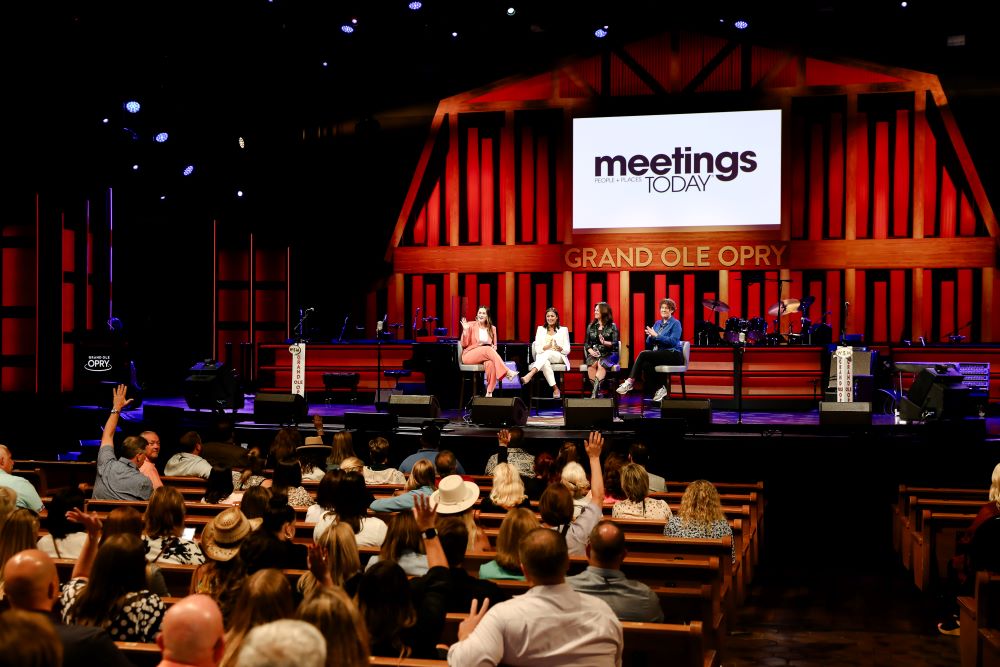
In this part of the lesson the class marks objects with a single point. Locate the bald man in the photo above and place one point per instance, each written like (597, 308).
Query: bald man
(31, 584)
(192, 633)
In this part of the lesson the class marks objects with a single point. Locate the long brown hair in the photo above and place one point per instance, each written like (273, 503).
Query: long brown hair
(266, 597)
(341, 448)
(403, 535)
(342, 558)
(18, 532)
(165, 513)
(119, 569)
(545, 319)
(385, 601)
(336, 616)
(607, 316)
(518, 523)
(489, 321)
(422, 474)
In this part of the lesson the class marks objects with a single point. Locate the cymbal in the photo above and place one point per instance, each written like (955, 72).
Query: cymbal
(716, 305)
(784, 307)
(806, 302)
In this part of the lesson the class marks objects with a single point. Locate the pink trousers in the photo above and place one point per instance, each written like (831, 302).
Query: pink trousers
(490, 359)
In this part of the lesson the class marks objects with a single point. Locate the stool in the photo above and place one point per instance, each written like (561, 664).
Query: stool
(340, 380)
(396, 374)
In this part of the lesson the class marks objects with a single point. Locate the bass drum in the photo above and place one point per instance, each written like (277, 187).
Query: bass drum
(756, 330)
(736, 331)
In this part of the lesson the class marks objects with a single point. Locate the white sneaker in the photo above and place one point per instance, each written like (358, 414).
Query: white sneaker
(625, 387)
(660, 394)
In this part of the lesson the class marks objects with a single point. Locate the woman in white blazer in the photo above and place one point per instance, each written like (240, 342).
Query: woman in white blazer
(551, 346)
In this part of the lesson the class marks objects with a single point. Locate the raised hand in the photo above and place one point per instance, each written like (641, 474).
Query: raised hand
(424, 513)
(465, 323)
(118, 400)
(91, 522)
(466, 627)
(504, 437)
(594, 444)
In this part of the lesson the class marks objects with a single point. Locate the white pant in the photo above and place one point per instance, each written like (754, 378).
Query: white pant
(544, 364)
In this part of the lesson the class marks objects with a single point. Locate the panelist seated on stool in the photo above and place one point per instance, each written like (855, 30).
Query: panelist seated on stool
(664, 348)
(549, 351)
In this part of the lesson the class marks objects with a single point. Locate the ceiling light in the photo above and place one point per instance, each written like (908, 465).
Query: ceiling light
(347, 28)
(511, 11)
(601, 33)
(161, 137)
(415, 5)
(188, 170)
(741, 25)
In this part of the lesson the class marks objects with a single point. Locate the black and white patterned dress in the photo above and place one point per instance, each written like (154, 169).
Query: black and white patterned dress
(715, 530)
(138, 619)
(173, 550)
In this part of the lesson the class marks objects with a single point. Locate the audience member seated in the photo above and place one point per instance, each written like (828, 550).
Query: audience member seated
(351, 501)
(421, 481)
(574, 478)
(569, 452)
(164, 530)
(556, 504)
(507, 565)
(128, 521)
(148, 467)
(612, 478)
(219, 488)
(700, 514)
(639, 453)
(188, 462)
(288, 480)
(960, 575)
(8, 502)
(271, 545)
(119, 478)
(337, 618)
(456, 497)
(396, 628)
(353, 464)
(446, 464)
(403, 545)
(313, 463)
(252, 474)
(266, 597)
(342, 447)
(430, 441)
(603, 578)
(507, 492)
(18, 533)
(223, 451)
(637, 504)
(254, 502)
(334, 561)
(28, 640)
(109, 589)
(550, 624)
(223, 574)
(325, 509)
(32, 585)
(284, 446)
(27, 495)
(65, 538)
(282, 643)
(511, 442)
(378, 471)
(535, 485)
(192, 634)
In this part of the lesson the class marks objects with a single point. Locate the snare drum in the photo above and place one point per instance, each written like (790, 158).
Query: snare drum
(736, 331)
(756, 330)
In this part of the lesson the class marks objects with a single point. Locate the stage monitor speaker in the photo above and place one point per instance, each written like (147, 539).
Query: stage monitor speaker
(370, 422)
(696, 413)
(588, 413)
(403, 405)
(280, 409)
(937, 393)
(498, 411)
(212, 385)
(857, 413)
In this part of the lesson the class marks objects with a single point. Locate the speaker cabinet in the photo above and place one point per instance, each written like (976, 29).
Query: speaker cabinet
(589, 413)
(402, 405)
(370, 422)
(858, 413)
(212, 385)
(280, 409)
(696, 413)
(498, 411)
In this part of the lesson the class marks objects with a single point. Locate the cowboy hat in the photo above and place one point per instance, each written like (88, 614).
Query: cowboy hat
(454, 495)
(223, 535)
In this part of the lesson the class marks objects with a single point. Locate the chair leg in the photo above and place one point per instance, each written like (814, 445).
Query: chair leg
(684, 391)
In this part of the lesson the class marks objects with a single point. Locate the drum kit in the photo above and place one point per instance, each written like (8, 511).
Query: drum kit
(754, 330)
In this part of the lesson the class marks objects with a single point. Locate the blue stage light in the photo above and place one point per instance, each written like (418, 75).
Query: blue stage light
(161, 137)
(188, 170)
(132, 106)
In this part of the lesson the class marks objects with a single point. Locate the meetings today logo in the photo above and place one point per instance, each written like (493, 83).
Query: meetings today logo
(682, 171)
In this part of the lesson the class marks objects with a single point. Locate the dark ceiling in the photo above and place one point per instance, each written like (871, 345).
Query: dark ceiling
(210, 72)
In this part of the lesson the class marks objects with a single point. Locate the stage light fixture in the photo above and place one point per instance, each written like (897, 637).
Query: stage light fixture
(326, 64)
(188, 170)
(347, 28)
(132, 106)
(904, 4)
(161, 137)
(241, 142)
(741, 25)
(239, 193)
(163, 197)
(104, 121)
(511, 11)
(601, 33)
(415, 5)
(354, 21)
(454, 34)
(135, 167)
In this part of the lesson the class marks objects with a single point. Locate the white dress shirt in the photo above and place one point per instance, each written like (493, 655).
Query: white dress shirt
(548, 625)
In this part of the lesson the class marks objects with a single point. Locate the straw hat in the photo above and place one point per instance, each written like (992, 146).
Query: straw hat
(223, 536)
(313, 440)
(454, 495)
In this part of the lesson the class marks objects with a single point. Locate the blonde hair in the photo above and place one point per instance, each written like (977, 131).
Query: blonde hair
(422, 474)
(700, 504)
(352, 464)
(995, 486)
(518, 523)
(342, 558)
(574, 478)
(635, 482)
(336, 616)
(508, 489)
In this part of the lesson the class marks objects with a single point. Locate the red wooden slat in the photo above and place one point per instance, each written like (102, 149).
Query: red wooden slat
(473, 222)
(901, 176)
(880, 194)
(836, 176)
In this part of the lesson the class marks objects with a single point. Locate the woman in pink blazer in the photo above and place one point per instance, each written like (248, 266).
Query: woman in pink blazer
(479, 346)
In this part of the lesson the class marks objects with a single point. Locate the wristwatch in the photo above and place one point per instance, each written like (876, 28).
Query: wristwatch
(430, 533)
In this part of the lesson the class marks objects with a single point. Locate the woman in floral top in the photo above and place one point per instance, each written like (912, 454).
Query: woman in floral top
(700, 514)
(163, 530)
(635, 486)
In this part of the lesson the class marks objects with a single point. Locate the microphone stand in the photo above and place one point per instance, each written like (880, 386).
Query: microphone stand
(343, 329)
(378, 345)
(738, 350)
(303, 314)
(416, 318)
